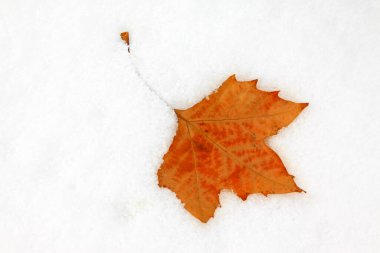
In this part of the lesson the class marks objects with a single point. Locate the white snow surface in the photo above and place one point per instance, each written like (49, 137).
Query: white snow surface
(81, 136)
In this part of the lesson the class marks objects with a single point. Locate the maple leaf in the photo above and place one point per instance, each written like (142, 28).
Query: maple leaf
(220, 144)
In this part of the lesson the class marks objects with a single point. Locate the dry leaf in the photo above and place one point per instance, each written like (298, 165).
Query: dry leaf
(220, 144)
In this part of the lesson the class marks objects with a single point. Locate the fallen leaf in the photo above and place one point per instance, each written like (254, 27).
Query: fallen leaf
(220, 144)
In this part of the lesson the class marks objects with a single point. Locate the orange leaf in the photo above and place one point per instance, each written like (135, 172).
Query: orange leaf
(220, 144)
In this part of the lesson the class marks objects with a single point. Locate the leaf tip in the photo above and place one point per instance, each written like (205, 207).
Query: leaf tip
(243, 196)
(304, 105)
(205, 220)
(299, 190)
(253, 82)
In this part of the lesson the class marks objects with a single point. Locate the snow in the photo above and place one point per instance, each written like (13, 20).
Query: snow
(81, 136)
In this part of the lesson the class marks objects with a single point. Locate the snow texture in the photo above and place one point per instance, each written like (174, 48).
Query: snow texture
(81, 136)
